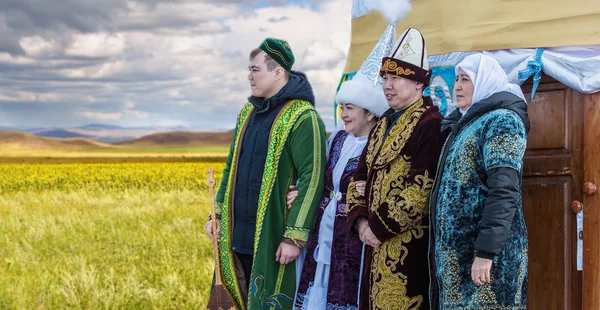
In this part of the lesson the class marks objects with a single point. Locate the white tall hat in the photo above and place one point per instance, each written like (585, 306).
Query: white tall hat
(408, 59)
(364, 89)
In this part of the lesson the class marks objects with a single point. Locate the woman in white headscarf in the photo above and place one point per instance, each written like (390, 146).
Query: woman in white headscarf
(478, 243)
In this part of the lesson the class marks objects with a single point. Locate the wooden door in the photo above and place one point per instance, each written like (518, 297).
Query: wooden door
(591, 202)
(552, 179)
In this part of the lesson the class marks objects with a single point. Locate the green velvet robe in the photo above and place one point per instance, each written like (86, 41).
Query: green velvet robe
(296, 155)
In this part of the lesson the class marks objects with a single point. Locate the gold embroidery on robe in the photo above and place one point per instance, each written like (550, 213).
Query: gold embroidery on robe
(406, 205)
(388, 290)
(353, 198)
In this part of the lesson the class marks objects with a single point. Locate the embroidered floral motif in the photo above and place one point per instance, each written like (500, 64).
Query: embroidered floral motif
(388, 290)
(398, 135)
(412, 207)
(354, 199)
(272, 301)
(392, 67)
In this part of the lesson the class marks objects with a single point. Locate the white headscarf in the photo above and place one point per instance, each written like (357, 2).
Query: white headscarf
(487, 76)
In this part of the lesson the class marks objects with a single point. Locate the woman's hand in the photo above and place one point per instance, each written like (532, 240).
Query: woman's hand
(291, 196)
(360, 187)
(480, 271)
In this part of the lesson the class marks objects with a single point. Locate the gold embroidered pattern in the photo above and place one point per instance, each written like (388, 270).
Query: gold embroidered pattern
(408, 206)
(353, 198)
(399, 134)
(451, 279)
(483, 297)
(391, 66)
(522, 273)
(376, 193)
(388, 290)
(504, 150)
(375, 140)
(466, 158)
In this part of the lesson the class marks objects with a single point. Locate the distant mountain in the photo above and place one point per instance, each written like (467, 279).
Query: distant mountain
(23, 128)
(98, 132)
(113, 139)
(115, 127)
(100, 127)
(181, 139)
(23, 140)
(61, 133)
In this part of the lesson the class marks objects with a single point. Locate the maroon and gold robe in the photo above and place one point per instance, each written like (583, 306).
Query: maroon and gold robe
(398, 164)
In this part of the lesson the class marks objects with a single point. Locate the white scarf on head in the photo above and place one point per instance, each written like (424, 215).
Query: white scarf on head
(487, 76)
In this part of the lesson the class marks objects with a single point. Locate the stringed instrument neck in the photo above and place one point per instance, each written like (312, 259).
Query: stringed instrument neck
(210, 182)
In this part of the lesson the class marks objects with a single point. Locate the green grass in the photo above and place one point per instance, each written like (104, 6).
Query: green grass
(97, 250)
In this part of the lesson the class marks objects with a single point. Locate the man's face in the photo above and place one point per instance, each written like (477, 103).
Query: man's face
(261, 80)
(400, 92)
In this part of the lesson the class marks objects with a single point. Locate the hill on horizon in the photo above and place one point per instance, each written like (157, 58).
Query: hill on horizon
(22, 140)
(180, 139)
(60, 133)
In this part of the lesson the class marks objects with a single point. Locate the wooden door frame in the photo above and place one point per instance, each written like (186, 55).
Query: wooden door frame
(591, 203)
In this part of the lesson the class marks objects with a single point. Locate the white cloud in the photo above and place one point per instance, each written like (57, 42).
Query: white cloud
(175, 61)
(142, 16)
(101, 116)
(17, 60)
(18, 96)
(322, 54)
(96, 45)
(138, 114)
(129, 104)
(37, 46)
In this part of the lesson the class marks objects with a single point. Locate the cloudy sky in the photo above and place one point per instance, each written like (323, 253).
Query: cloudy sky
(154, 62)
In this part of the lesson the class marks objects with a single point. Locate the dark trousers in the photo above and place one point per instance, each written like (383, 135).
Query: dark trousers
(246, 261)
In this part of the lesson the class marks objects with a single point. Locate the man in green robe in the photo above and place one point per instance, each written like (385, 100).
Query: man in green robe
(279, 141)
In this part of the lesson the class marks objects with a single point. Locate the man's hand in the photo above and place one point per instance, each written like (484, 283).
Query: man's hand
(363, 224)
(291, 196)
(208, 227)
(360, 187)
(286, 253)
(369, 238)
(480, 271)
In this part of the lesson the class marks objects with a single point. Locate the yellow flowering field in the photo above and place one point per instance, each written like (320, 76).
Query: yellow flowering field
(104, 235)
(106, 176)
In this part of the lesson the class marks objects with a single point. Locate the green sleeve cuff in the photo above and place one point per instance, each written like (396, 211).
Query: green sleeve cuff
(296, 233)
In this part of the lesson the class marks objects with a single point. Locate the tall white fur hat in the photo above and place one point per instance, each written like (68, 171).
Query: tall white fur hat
(364, 89)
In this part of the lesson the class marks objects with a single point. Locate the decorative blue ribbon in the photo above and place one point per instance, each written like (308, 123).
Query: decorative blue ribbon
(534, 68)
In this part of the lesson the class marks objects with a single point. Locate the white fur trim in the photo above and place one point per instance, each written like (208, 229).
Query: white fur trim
(364, 95)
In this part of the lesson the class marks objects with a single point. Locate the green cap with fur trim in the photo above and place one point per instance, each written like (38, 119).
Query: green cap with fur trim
(280, 51)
